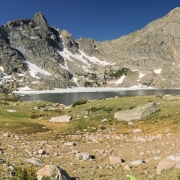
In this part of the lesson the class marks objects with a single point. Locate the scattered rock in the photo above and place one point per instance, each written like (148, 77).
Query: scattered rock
(127, 168)
(34, 161)
(137, 130)
(83, 156)
(69, 144)
(63, 118)
(53, 171)
(104, 120)
(41, 152)
(7, 134)
(11, 111)
(164, 164)
(115, 159)
(137, 162)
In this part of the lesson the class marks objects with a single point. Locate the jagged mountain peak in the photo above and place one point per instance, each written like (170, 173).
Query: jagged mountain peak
(149, 56)
(40, 20)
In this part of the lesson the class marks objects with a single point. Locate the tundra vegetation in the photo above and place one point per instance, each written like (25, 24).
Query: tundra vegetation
(31, 120)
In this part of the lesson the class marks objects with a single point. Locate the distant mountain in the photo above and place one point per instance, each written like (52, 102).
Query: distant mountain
(37, 56)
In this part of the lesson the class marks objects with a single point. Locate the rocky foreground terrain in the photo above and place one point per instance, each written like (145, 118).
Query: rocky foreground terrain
(92, 144)
(101, 155)
(35, 55)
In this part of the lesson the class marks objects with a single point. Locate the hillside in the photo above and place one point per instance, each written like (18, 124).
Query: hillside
(36, 55)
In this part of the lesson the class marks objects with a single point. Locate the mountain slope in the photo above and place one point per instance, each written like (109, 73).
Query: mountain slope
(154, 47)
(39, 56)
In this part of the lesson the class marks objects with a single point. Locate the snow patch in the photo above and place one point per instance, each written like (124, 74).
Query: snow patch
(7, 78)
(1, 68)
(94, 59)
(134, 70)
(120, 81)
(141, 75)
(33, 37)
(158, 71)
(21, 74)
(75, 79)
(34, 70)
(85, 59)
(26, 88)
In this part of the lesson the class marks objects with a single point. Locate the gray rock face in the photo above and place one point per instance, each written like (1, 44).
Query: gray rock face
(34, 161)
(63, 118)
(149, 55)
(54, 172)
(33, 40)
(137, 113)
(156, 46)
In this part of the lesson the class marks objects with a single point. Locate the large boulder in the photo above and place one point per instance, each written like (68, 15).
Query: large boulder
(168, 162)
(63, 118)
(137, 113)
(164, 164)
(54, 172)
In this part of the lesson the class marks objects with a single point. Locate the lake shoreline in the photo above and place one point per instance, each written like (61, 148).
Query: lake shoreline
(83, 89)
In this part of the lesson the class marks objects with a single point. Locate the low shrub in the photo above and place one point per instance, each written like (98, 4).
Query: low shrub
(24, 174)
(132, 107)
(94, 109)
(88, 84)
(119, 109)
(108, 109)
(80, 102)
(41, 106)
(36, 116)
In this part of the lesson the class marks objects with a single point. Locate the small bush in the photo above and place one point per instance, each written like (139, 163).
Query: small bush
(94, 109)
(24, 174)
(108, 109)
(119, 109)
(13, 99)
(41, 106)
(119, 73)
(132, 107)
(80, 102)
(88, 84)
(4, 103)
(179, 176)
(36, 116)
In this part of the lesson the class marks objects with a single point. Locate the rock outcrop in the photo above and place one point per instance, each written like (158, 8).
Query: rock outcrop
(137, 113)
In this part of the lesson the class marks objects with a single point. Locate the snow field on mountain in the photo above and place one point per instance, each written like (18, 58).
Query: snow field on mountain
(34, 70)
(83, 89)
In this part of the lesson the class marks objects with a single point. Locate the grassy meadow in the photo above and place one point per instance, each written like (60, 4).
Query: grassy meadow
(33, 117)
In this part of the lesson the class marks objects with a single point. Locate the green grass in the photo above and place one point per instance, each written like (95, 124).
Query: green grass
(25, 120)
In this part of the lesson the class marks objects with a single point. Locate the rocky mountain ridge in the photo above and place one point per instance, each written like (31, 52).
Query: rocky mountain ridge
(37, 56)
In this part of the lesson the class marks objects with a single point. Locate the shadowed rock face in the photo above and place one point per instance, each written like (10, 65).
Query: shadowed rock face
(36, 42)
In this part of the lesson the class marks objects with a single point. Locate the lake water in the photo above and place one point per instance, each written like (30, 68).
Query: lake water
(70, 98)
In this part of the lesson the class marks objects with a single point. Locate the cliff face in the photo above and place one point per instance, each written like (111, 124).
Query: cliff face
(155, 47)
(34, 54)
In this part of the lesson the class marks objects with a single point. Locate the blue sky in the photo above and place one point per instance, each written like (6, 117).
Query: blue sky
(97, 19)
